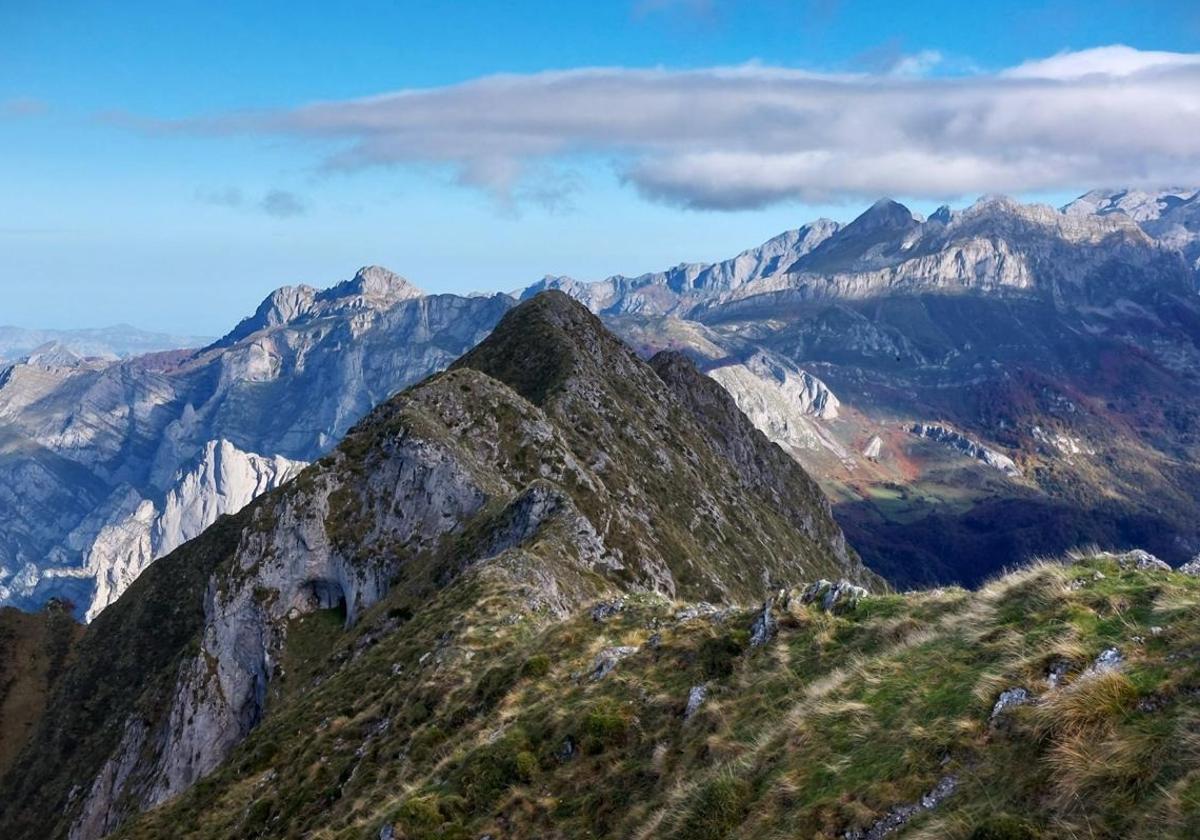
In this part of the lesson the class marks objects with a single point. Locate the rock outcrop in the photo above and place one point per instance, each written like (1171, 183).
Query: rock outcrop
(97, 453)
(970, 448)
(223, 481)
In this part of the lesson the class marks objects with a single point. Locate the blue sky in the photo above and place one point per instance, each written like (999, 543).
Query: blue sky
(162, 165)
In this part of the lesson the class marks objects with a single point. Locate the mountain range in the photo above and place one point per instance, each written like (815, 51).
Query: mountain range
(968, 389)
(106, 342)
(558, 590)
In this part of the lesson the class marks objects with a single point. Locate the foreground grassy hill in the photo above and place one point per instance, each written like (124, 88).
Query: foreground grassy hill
(1061, 700)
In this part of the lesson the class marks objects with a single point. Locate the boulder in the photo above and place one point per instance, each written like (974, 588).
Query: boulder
(1136, 559)
(833, 597)
(608, 658)
(696, 698)
(1010, 699)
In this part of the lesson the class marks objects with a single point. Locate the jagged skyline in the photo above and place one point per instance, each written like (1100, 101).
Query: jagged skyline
(169, 170)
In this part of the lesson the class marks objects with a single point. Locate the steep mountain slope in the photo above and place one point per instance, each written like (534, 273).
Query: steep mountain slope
(516, 481)
(33, 652)
(112, 464)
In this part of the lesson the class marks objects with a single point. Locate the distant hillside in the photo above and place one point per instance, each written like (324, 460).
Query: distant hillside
(104, 342)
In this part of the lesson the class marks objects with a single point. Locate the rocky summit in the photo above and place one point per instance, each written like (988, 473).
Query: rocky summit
(548, 469)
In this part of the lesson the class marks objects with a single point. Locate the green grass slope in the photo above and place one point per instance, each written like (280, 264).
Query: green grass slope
(464, 716)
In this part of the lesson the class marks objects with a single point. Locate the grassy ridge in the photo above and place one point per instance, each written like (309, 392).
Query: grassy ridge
(463, 716)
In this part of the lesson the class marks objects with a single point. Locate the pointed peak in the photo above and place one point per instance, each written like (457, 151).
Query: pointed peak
(540, 343)
(942, 215)
(884, 213)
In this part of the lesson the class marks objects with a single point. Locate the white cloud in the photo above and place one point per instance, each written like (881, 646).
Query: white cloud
(752, 135)
(1116, 61)
(917, 64)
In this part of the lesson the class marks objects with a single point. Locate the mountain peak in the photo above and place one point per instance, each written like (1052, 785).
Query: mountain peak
(539, 342)
(372, 286)
(884, 214)
(53, 354)
(376, 283)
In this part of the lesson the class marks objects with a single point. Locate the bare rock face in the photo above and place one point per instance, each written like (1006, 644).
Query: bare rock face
(1171, 216)
(679, 289)
(970, 448)
(764, 627)
(223, 481)
(784, 402)
(111, 463)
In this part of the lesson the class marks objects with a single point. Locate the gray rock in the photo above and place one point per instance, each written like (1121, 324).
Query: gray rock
(900, 815)
(387, 832)
(696, 698)
(764, 627)
(1191, 567)
(1110, 659)
(833, 597)
(701, 610)
(607, 609)
(608, 658)
(1009, 699)
(1136, 559)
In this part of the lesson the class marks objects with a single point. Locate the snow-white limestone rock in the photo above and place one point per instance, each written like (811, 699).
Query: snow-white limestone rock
(965, 445)
(782, 401)
(223, 481)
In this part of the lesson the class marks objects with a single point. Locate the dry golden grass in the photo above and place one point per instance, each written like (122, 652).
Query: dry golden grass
(1091, 703)
(1084, 766)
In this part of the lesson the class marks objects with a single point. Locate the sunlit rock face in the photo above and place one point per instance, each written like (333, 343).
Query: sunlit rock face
(108, 464)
